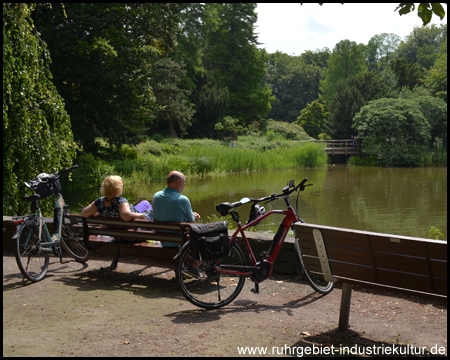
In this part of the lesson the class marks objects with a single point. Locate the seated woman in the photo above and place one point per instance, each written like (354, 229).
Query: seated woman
(111, 205)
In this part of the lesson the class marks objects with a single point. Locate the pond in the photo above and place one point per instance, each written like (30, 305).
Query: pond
(401, 201)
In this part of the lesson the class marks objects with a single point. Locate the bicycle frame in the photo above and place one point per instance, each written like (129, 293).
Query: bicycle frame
(58, 218)
(277, 242)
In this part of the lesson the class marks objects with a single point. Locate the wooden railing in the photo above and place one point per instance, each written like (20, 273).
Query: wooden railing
(340, 147)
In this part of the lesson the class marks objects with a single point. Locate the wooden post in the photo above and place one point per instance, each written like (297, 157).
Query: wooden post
(345, 307)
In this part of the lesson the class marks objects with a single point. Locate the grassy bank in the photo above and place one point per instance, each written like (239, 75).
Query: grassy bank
(196, 158)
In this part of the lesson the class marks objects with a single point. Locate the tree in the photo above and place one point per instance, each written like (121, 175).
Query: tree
(102, 64)
(235, 62)
(436, 77)
(318, 58)
(407, 75)
(230, 126)
(175, 114)
(312, 118)
(294, 84)
(394, 131)
(36, 128)
(346, 60)
(211, 102)
(422, 45)
(348, 100)
(380, 51)
(433, 108)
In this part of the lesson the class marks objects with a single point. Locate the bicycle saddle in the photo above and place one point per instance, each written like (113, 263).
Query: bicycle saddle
(225, 207)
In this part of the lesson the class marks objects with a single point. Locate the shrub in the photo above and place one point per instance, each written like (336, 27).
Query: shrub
(394, 131)
(290, 131)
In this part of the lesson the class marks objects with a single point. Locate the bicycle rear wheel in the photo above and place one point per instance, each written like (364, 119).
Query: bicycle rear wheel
(31, 258)
(72, 244)
(317, 282)
(212, 290)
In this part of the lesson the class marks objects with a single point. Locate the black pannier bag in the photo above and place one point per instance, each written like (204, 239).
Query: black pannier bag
(210, 240)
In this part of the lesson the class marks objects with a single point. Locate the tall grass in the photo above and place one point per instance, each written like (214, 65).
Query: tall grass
(198, 158)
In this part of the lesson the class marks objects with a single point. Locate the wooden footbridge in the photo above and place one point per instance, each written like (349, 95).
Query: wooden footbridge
(340, 147)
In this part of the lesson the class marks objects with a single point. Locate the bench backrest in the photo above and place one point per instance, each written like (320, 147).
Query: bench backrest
(401, 262)
(148, 230)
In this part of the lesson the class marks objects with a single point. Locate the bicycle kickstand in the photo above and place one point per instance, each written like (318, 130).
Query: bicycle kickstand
(256, 289)
(59, 251)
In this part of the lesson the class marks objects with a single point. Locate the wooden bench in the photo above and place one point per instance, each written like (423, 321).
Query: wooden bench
(97, 232)
(399, 263)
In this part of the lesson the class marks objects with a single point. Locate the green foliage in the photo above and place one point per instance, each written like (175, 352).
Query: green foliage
(436, 77)
(407, 75)
(200, 158)
(294, 81)
(380, 51)
(348, 100)
(347, 60)
(424, 10)
(394, 131)
(434, 109)
(312, 118)
(103, 57)
(175, 113)
(435, 233)
(311, 155)
(36, 128)
(235, 61)
(422, 45)
(91, 172)
(211, 103)
(230, 126)
(289, 131)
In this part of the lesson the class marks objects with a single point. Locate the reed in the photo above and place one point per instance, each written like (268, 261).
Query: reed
(199, 158)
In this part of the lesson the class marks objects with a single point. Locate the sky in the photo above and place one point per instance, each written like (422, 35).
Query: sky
(293, 28)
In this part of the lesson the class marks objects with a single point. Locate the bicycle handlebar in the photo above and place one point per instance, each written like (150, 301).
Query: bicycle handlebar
(68, 170)
(44, 176)
(287, 190)
(224, 208)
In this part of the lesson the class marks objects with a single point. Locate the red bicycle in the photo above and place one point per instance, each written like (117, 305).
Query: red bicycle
(216, 283)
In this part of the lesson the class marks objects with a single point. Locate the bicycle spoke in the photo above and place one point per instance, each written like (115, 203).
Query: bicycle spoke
(213, 290)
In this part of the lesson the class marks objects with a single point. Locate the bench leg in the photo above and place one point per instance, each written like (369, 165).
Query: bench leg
(345, 307)
(113, 265)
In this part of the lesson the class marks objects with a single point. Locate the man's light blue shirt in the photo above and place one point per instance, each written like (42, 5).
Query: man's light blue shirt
(170, 205)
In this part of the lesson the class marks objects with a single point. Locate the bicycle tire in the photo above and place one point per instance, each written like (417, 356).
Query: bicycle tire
(71, 244)
(214, 290)
(316, 282)
(31, 259)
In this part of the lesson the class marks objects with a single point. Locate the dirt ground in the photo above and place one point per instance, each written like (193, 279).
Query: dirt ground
(137, 310)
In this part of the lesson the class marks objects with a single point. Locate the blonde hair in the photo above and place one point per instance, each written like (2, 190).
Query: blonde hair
(112, 186)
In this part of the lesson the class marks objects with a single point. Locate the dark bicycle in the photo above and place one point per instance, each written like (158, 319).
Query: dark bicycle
(218, 282)
(34, 244)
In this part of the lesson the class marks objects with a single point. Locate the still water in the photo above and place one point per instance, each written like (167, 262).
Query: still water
(401, 201)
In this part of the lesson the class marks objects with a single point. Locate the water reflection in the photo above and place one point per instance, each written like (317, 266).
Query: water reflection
(401, 201)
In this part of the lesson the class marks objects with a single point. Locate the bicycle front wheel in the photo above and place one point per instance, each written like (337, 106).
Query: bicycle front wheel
(72, 244)
(31, 258)
(317, 282)
(200, 282)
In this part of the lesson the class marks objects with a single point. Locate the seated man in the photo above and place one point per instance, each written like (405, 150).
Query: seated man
(170, 205)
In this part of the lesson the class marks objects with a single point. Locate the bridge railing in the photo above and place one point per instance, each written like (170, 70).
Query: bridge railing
(344, 146)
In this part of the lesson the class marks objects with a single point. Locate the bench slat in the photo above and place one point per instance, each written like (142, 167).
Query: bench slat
(395, 261)
(101, 231)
